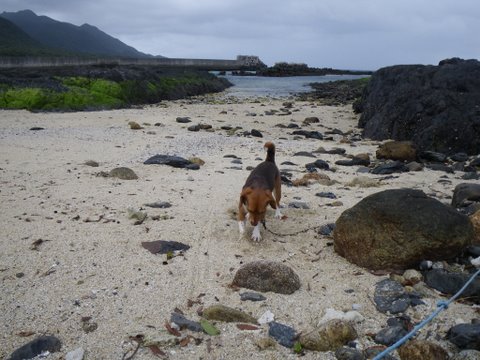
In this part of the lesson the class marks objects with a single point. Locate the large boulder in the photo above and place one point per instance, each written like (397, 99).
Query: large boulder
(435, 107)
(396, 229)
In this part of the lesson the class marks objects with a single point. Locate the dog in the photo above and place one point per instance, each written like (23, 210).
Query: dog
(257, 194)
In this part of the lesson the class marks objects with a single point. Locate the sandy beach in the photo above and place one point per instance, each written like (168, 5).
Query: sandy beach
(90, 266)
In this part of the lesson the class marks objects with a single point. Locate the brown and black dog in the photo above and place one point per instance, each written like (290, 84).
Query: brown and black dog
(257, 193)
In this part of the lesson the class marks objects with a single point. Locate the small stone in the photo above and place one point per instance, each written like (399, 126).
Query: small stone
(329, 336)
(36, 347)
(123, 173)
(256, 133)
(267, 317)
(159, 205)
(283, 334)
(183, 120)
(134, 125)
(252, 296)
(184, 323)
(265, 343)
(390, 335)
(76, 354)
(92, 163)
(421, 349)
(227, 314)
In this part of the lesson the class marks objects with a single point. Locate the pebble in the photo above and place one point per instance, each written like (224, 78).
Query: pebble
(76, 354)
(252, 296)
(283, 334)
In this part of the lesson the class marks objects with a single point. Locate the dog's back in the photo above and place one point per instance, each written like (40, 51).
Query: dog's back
(264, 175)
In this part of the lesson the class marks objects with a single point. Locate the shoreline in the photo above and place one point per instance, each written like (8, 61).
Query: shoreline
(90, 262)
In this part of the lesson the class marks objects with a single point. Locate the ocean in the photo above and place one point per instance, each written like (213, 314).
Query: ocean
(277, 87)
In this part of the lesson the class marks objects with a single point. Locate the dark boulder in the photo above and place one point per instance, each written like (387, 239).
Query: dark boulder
(465, 336)
(435, 107)
(396, 229)
(465, 192)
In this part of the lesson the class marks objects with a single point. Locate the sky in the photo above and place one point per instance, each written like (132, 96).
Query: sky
(340, 34)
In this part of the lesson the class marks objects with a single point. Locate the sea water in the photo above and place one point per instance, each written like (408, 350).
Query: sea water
(277, 87)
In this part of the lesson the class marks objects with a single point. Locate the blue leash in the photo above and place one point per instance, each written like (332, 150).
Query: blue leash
(441, 305)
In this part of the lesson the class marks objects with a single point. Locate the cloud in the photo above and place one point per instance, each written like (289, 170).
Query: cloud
(363, 34)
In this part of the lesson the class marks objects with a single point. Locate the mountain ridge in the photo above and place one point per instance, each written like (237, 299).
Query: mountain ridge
(86, 39)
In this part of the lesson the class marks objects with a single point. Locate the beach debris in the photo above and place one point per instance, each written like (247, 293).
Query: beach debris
(328, 336)
(123, 173)
(138, 215)
(247, 327)
(36, 244)
(264, 275)
(164, 247)
(159, 205)
(363, 182)
(227, 314)
(209, 328)
(88, 325)
(91, 163)
(283, 334)
(313, 178)
(349, 316)
(175, 161)
(36, 347)
(183, 323)
(252, 296)
(36, 128)
(422, 349)
(76, 354)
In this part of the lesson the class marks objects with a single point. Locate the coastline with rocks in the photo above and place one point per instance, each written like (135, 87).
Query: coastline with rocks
(121, 239)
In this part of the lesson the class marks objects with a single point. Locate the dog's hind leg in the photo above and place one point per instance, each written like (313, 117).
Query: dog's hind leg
(278, 196)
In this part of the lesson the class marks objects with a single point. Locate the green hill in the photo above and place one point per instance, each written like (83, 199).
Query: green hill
(65, 37)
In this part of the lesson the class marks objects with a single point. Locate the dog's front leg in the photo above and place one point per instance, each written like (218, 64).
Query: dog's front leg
(256, 233)
(241, 218)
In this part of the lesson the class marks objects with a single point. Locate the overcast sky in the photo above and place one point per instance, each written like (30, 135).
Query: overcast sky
(342, 34)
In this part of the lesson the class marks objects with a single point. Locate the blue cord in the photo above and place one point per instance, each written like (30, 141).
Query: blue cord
(441, 305)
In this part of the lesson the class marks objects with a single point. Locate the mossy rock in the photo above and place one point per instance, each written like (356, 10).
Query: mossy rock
(123, 173)
(227, 314)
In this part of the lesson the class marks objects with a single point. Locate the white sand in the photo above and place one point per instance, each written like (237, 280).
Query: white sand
(100, 270)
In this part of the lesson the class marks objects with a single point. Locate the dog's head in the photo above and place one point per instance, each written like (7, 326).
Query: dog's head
(256, 202)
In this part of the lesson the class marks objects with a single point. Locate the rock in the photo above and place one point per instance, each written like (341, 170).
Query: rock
(283, 334)
(123, 173)
(327, 229)
(36, 347)
(304, 153)
(414, 166)
(36, 128)
(266, 276)
(318, 164)
(194, 128)
(465, 192)
(329, 336)
(298, 205)
(348, 353)
(465, 336)
(328, 195)
(265, 343)
(475, 219)
(175, 161)
(432, 156)
(308, 134)
(421, 350)
(164, 247)
(134, 125)
(184, 323)
(412, 276)
(390, 168)
(398, 228)
(467, 355)
(267, 317)
(334, 151)
(390, 296)
(252, 296)
(159, 205)
(92, 163)
(433, 106)
(390, 335)
(353, 162)
(451, 282)
(459, 157)
(440, 167)
(76, 354)
(183, 120)
(311, 120)
(397, 150)
(227, 314)
(256, 133)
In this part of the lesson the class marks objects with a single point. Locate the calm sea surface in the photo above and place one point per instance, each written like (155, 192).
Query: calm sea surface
(277, 87)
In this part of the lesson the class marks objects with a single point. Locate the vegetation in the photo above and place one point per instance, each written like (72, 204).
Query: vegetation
(294, 69)
(83, 93)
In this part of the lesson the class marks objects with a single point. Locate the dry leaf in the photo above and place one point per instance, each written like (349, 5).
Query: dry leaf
(246, 327)
(172, 331)
(156, 351)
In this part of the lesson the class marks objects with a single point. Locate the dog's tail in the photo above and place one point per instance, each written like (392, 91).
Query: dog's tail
(270, 147)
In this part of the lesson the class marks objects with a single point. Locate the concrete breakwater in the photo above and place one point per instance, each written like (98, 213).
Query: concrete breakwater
(242, 62)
